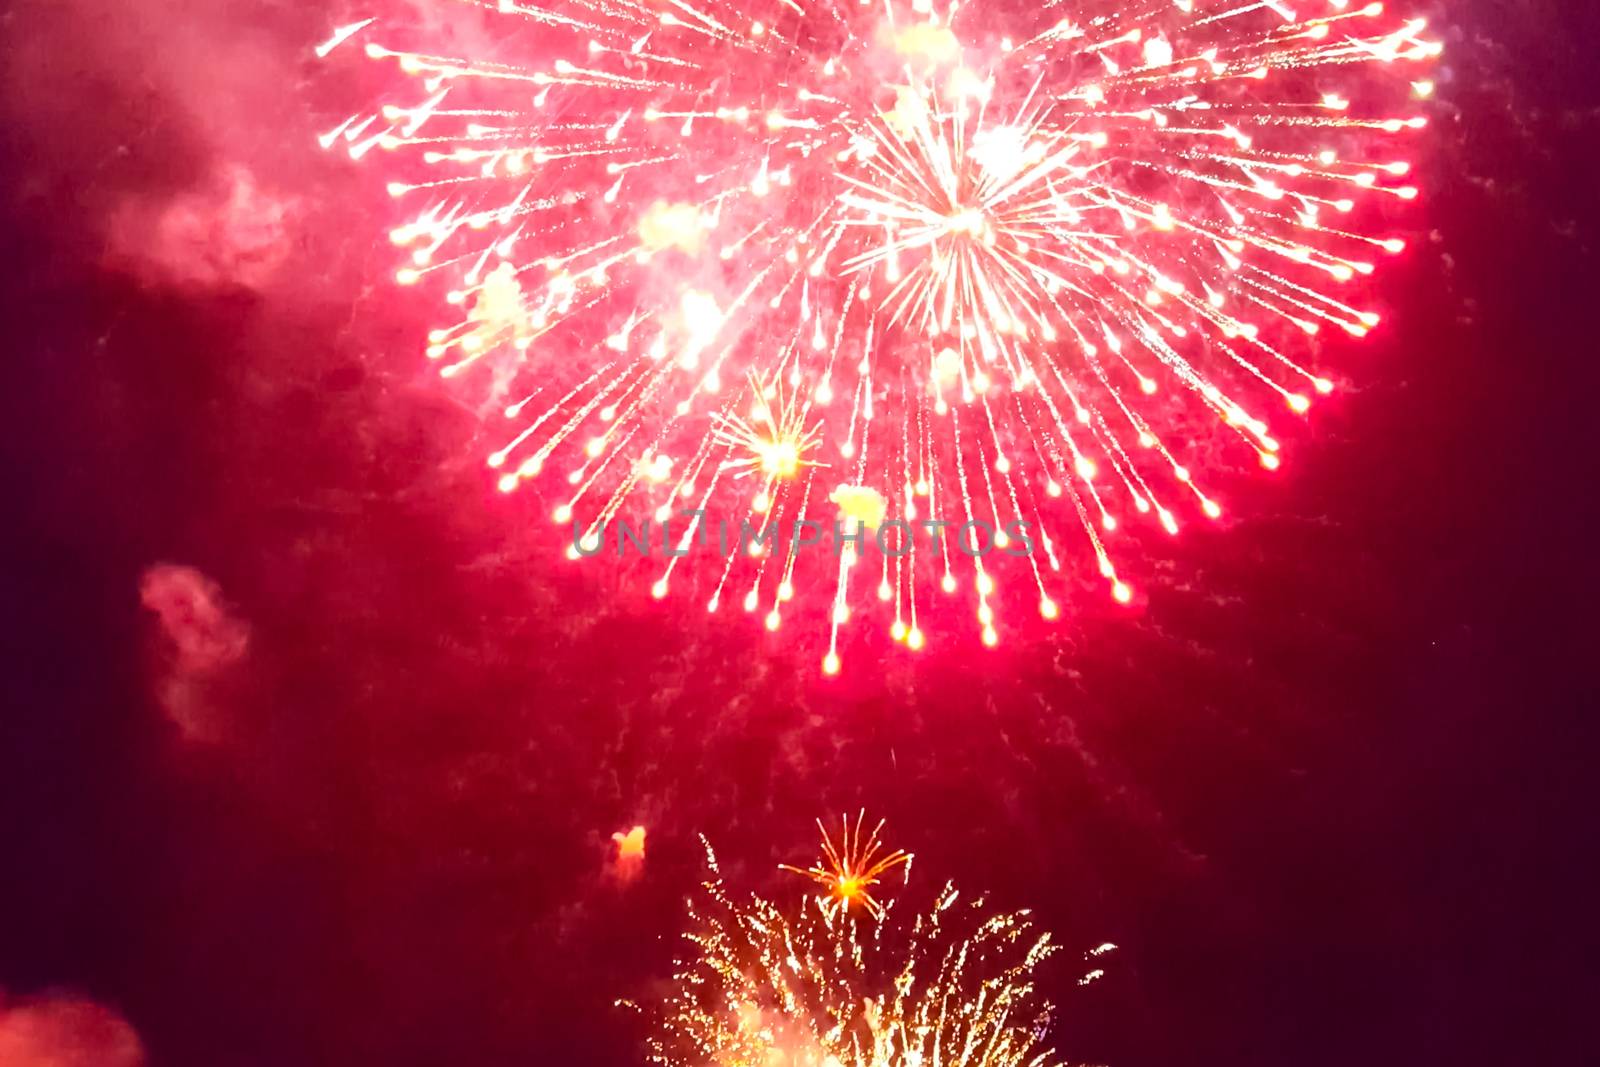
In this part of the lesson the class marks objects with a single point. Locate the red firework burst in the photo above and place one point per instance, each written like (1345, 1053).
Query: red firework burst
(921, 266)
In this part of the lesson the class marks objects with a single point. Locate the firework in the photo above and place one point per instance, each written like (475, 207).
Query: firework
(849, 869)
(995, 267)
(954, 985)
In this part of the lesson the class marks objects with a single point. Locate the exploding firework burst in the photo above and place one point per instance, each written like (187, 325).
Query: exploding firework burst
(849, 869)
(826, 989)
(948, 259)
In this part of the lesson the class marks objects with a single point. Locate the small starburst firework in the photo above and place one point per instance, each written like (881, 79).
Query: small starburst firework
(824, 988)
(1004, 267)
(848, 870)
(773, 441)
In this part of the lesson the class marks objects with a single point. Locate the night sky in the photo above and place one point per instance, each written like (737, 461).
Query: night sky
(313, 746)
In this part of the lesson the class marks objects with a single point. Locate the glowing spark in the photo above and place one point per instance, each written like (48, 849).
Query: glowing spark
(341, 35)
(860, 504)
(630, 846)
(628, 861)
(671, 226)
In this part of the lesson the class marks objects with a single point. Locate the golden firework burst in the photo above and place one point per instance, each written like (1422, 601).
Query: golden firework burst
(849, 869)
(763, 986)
(773, 440)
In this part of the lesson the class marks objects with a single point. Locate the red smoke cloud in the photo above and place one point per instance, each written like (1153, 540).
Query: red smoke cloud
(228, 233)
(65, 1031)
(201, 639)
(159, 128)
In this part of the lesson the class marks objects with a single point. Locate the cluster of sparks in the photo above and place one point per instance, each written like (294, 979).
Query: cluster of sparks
(847, 870)
(826, 988)
(723, 259)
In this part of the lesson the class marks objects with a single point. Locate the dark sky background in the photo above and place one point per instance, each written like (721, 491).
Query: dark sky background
(311, 748)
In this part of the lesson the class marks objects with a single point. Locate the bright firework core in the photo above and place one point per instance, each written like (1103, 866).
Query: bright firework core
(850, 867)
(910, 261)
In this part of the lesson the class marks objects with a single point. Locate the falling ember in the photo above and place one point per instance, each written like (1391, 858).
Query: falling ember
(848, 869)
(979, 262)
(630, 845)
(824, 988)
(627, 862)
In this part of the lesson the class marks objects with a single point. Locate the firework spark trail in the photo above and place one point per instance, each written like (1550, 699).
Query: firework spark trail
(941, 255)
(826, 988)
